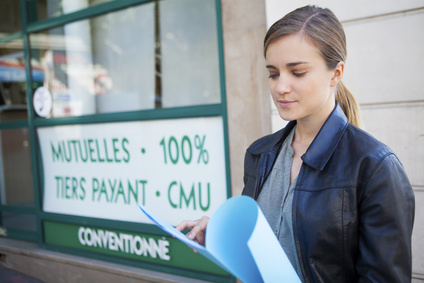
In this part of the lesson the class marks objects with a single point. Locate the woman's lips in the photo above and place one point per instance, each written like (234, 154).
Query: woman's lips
(285, 103)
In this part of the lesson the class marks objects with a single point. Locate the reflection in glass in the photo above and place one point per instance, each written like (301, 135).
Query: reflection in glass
(190, 69)
(16, 184)
(155, 55)
(99, 65)
(19, 221)
(53, 8)
(13, 81)
(10, 16)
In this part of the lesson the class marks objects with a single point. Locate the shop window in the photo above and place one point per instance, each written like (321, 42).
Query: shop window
(18, 221)
(16, 184)
(13, 98)
(54, 8)
(10, 16)
(99, 65)
(189, 53)
(155, 55)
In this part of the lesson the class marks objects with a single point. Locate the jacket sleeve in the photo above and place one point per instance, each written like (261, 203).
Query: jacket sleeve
(250, 175)
(386, 217)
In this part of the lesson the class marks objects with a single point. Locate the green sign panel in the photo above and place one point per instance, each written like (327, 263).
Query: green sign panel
(142, 247)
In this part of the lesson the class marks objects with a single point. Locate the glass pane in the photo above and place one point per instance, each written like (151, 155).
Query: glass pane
(13, 81)
(100, 65)
(16, 187)
(43, 9)
(19, 221)
(160, 54)
(189, 53)
(10, 16)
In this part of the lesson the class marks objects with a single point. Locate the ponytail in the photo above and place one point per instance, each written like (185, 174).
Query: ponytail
(349, 105)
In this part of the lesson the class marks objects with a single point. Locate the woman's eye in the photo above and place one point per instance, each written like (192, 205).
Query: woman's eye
(273, 76)
(299, 75)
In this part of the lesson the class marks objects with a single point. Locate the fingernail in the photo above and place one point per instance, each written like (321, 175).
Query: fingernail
(190, 236)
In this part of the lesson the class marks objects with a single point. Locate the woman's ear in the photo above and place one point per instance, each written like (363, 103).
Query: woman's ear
(338, 74)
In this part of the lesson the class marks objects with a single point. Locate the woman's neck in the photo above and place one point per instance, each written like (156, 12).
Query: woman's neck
(305, 134)
(307, 128)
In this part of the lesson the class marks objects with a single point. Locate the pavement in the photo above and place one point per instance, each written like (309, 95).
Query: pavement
(12, 276)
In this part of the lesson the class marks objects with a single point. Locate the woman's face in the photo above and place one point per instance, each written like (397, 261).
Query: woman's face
(301, 85)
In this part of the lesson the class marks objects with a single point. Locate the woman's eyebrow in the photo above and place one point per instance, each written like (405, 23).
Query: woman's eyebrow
(271, 67)
(288, 65)
(293, 64)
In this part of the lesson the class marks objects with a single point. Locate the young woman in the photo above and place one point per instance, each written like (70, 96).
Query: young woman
(338, 200)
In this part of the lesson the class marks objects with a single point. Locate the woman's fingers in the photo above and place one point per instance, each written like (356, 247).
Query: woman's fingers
(198, 229)
(186, 224)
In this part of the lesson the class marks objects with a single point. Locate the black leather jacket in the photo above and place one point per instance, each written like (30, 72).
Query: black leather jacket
(353, 205)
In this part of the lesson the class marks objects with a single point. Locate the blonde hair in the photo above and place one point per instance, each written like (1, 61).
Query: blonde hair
(325, 31)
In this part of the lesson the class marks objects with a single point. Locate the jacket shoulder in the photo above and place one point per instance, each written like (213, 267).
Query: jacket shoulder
(366, 144)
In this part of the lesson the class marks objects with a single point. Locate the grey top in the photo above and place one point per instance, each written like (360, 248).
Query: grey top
(276, 201)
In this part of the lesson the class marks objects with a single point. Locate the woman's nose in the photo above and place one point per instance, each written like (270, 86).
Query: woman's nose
(283, 85)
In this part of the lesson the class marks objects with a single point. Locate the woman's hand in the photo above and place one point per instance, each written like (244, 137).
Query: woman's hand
(198, 229)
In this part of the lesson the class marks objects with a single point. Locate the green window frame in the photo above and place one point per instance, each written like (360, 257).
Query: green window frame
(33, 123)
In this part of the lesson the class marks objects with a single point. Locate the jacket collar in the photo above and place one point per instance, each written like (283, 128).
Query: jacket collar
(321, 148)
(327, 139)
